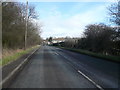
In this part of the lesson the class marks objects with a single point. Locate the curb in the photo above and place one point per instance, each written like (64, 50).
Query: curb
(5, 82)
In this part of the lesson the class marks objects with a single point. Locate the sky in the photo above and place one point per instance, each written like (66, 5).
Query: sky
(61, 19)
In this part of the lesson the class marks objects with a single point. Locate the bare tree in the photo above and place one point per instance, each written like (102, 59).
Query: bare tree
(114, 11)
(13, 26)
(98, 38)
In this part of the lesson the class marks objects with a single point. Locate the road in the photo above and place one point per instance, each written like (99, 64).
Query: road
(52, 67)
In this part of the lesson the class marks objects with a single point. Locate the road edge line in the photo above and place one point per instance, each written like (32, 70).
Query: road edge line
(16, 69)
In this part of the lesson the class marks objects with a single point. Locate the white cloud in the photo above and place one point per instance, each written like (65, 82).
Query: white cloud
(57, 26)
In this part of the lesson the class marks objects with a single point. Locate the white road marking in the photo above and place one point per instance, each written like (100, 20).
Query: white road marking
(98, 86)
(15, 70)
(56, 53)
(89, 79)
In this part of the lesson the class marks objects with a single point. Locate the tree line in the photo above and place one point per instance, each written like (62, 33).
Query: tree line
(14, 25)
(99, 38)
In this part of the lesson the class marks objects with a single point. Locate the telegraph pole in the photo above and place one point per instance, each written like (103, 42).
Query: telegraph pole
(26, 25)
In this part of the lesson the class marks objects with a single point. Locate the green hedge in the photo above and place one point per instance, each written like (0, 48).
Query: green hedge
(106, 57)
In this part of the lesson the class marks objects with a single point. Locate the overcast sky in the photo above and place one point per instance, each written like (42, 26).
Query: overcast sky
(61, 19)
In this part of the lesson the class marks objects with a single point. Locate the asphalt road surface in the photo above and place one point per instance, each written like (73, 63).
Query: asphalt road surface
(52, 67)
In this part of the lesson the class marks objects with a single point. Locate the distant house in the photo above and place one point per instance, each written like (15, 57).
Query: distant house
(58, 40)
(54, 40)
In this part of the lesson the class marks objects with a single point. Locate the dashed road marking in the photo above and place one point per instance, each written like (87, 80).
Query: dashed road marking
(89, 79)
(56, 53)
(98, 86)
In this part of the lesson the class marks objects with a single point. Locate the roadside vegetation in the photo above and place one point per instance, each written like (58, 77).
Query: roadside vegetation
(12, 55)
(89, 53)
(98, 40)
(14, 19)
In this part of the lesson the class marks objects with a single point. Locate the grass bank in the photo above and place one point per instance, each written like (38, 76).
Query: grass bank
(106, 57)
(12, 55)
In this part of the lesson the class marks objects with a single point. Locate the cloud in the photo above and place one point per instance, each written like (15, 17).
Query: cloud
(57, 25)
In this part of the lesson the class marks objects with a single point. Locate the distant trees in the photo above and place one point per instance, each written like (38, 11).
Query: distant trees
(98, 38)
(50, 39)
(13, 25)
(70, 42)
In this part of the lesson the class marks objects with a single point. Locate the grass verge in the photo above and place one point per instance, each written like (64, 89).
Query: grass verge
(15, 56)
(106, 57)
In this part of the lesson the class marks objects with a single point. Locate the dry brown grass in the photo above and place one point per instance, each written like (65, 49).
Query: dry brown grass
(9, 52)
(9, 55)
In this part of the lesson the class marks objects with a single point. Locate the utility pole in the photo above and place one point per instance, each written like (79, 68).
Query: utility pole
(26, 25)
